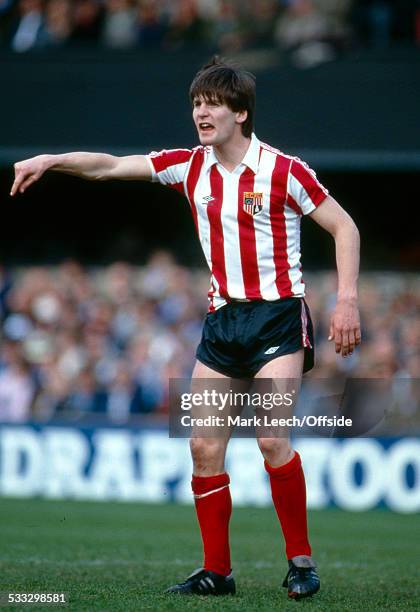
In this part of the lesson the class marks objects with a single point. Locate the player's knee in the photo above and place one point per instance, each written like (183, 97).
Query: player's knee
(275, 450)
(206, 451)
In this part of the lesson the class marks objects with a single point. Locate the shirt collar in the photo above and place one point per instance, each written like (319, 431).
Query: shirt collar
(251, 158)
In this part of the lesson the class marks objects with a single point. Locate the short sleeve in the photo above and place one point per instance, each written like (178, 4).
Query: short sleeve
(303, 188)
(169, 167)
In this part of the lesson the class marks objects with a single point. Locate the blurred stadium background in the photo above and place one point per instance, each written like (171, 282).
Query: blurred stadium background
(103, 287)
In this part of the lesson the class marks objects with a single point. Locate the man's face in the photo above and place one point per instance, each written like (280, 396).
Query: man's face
(216, 123)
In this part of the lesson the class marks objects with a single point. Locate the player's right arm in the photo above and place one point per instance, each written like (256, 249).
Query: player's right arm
(91, 166)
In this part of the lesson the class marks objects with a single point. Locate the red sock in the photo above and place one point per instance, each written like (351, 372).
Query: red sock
(213, 505)
(288, 491)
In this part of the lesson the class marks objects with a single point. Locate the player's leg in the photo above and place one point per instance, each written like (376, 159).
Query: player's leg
(208, 453)
(287, 482)
(285, 371)
(213, 504)
(210, 484)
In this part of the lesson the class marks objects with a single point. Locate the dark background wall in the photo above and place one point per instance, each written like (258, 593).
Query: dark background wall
(139, 101)
(356, 122)
(99, 222)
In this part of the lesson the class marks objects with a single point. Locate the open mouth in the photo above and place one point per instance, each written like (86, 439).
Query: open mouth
(206, 127)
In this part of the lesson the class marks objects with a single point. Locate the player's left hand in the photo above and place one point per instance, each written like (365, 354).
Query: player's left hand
(345, 327)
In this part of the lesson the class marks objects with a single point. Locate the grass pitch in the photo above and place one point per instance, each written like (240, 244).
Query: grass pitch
(109, 556)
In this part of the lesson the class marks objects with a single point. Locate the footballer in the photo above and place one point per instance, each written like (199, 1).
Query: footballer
(247, 199)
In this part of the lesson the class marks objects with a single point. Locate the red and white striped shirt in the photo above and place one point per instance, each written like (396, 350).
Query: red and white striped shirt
(248, 220)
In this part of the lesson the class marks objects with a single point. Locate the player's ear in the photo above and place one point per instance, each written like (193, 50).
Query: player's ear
(241, 116)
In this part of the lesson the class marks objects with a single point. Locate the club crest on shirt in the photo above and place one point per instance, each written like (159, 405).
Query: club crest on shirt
(252, 202)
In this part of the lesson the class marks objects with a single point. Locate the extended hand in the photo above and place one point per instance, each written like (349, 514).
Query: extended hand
(27, 172)
(345, 327)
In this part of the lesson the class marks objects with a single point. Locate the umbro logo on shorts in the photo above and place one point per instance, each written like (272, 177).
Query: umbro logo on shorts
(271, 350)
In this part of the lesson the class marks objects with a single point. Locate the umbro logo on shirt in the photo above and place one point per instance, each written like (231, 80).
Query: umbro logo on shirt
(271, 350)
(208, 199)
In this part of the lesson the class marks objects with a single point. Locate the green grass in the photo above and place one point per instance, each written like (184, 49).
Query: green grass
(110, 556)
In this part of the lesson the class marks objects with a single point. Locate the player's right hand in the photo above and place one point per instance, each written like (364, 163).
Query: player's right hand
(27, 172)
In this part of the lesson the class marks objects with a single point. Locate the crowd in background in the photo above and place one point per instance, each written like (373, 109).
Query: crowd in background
(320, 28)
(77, 341)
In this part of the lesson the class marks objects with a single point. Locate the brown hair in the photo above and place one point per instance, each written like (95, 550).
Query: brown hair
(218, 81)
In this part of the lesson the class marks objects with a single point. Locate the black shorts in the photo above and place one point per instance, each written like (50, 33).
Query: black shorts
(241, 337)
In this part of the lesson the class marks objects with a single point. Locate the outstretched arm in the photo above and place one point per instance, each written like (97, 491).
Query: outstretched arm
(345, 320)
(91, 166)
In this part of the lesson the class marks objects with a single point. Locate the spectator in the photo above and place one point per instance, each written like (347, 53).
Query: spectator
(85, 396)
(16, 389)
(185, 25)
(124, 395)
(119, 29)
(29, 26)
(58, 23)
(152, 23)
(305, 33)
(87, 21)
(264, 15)
(228, 32)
